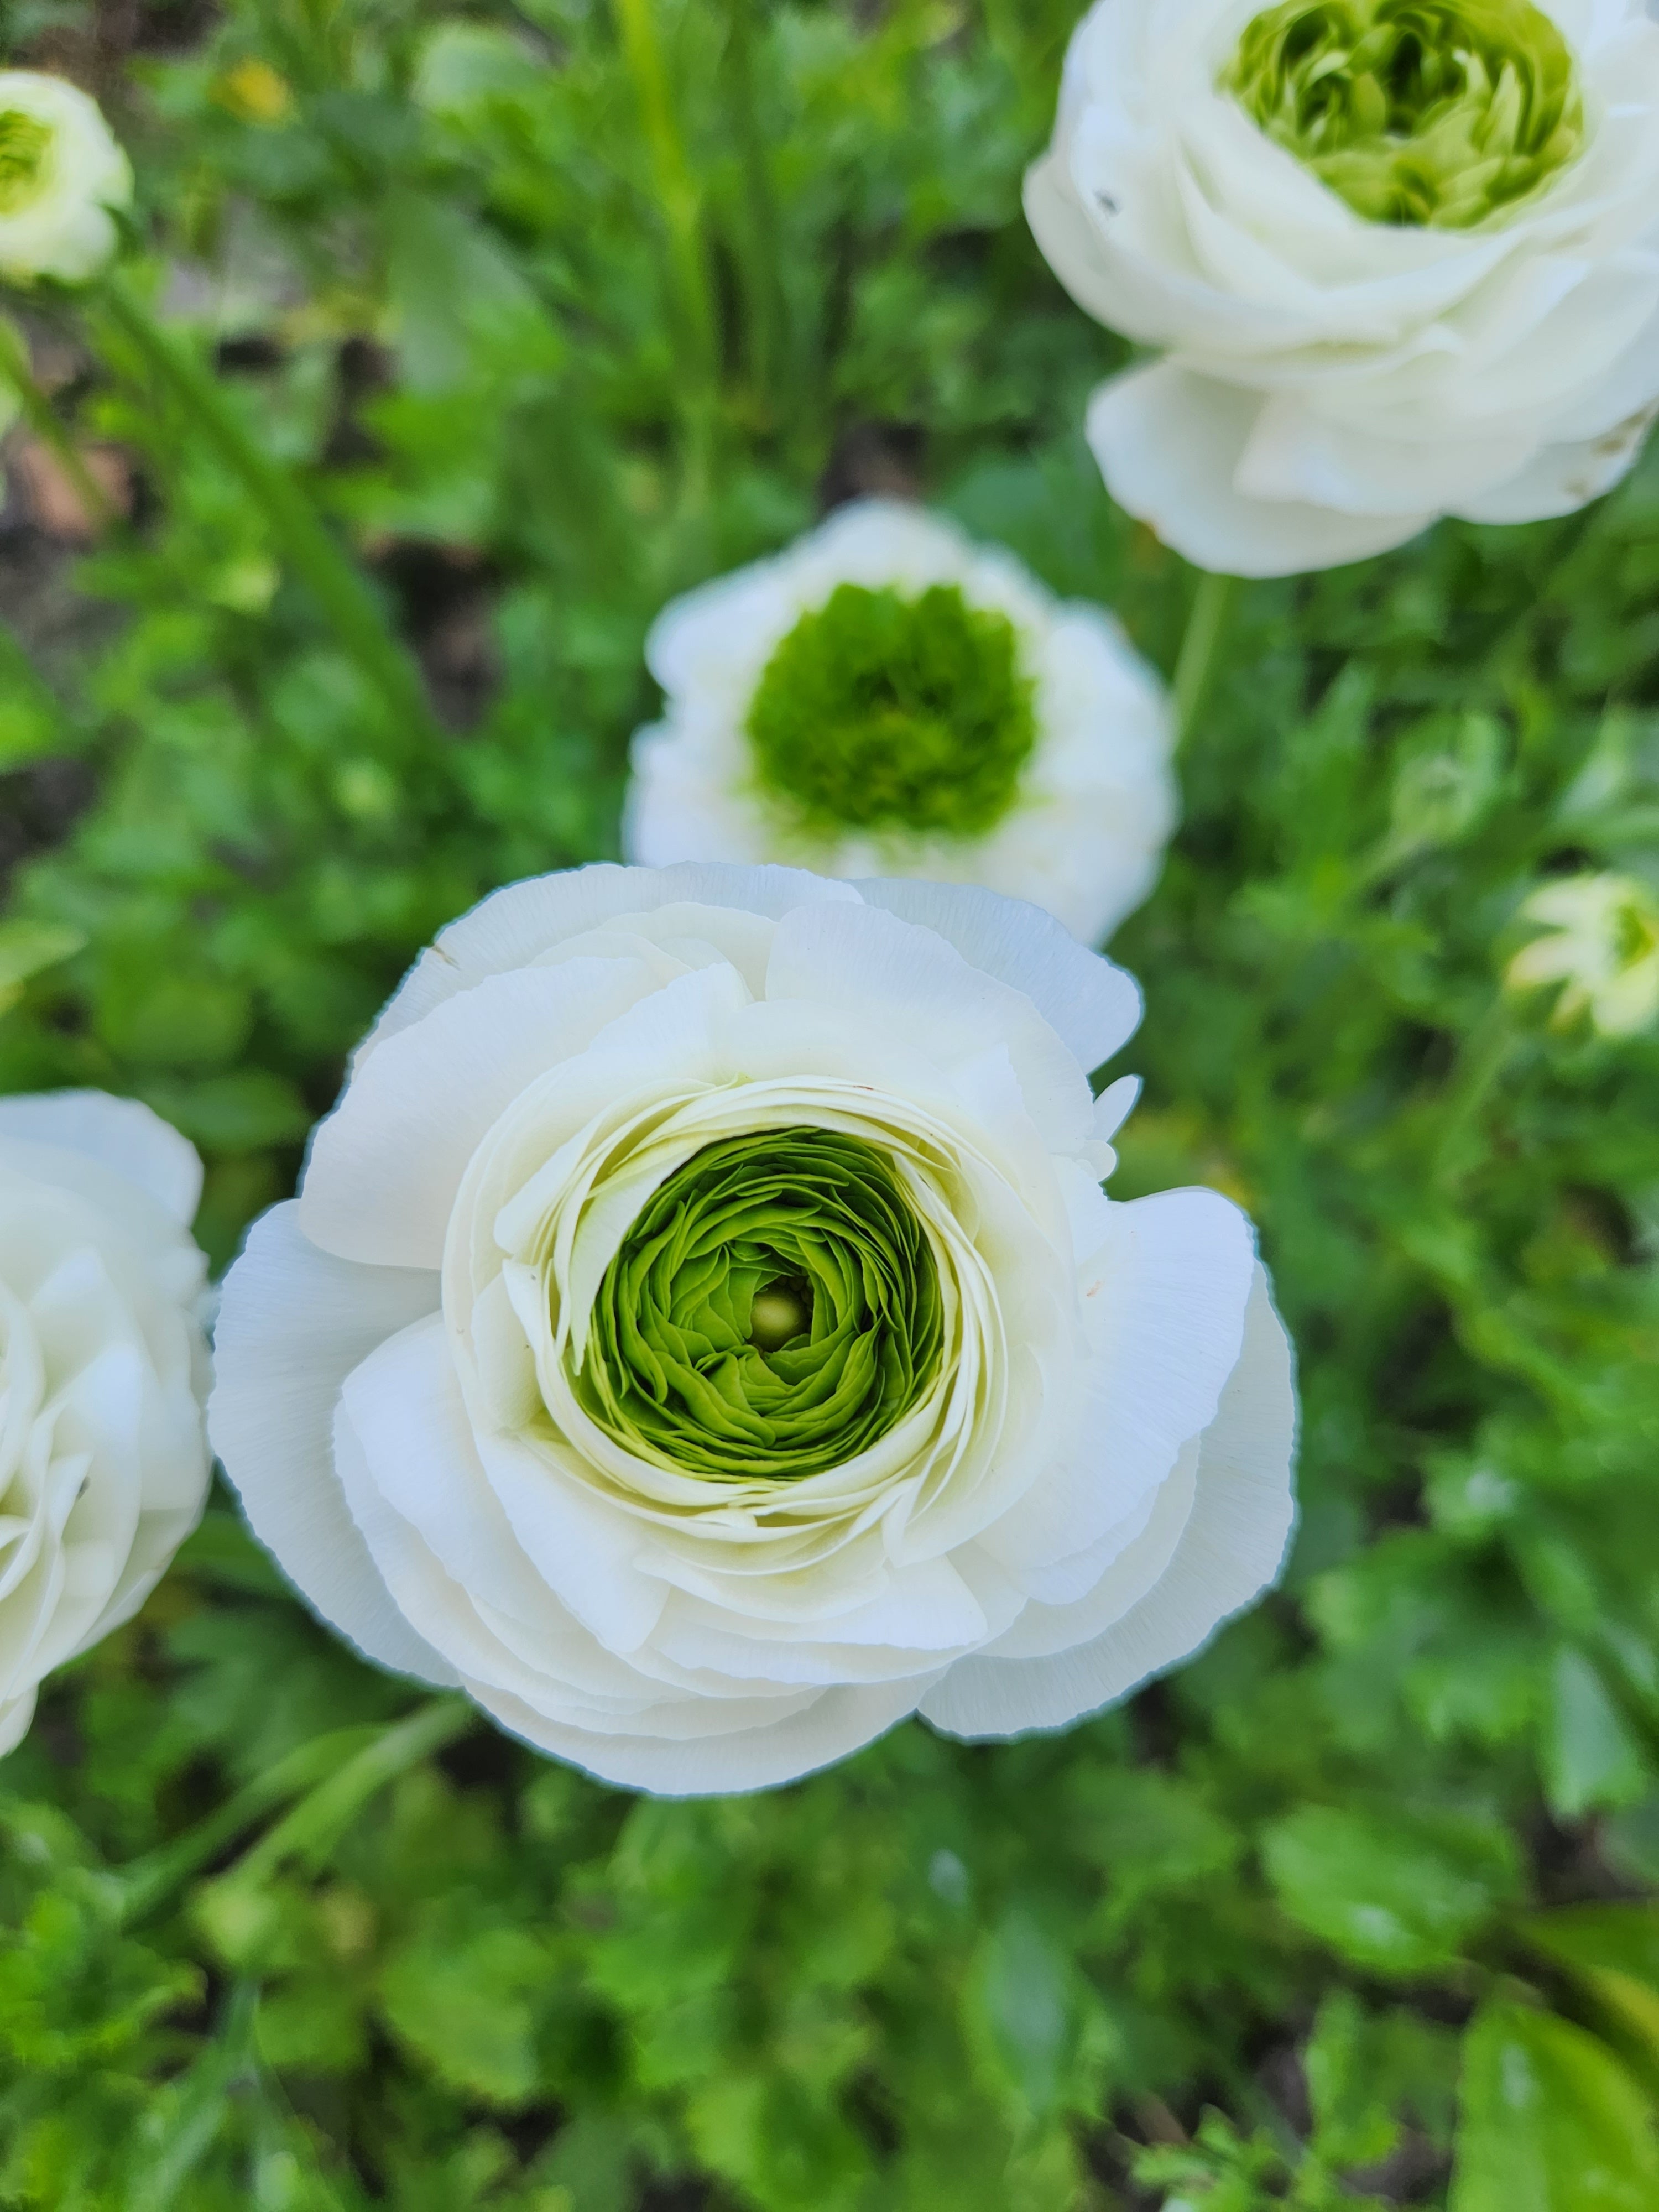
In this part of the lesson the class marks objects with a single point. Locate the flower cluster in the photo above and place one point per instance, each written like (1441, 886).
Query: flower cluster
(702, 1332)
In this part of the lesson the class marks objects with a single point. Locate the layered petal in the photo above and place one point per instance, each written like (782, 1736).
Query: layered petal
(1337, 375)
(773, 1354)
(1078, 826)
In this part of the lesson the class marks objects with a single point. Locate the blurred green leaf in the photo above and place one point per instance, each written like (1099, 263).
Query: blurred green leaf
(1401, 1898)
(1550, 2121)
(27, 948)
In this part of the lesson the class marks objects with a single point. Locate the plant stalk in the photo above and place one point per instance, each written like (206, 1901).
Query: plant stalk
(1208, 621)
(43, 419)
(309, 1831)
(678, 198)
(150, 1881)
(334, 581)
(766, 306)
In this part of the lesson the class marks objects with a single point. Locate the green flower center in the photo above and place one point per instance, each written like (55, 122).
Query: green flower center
(23, 145)
(882, 712)
(1418, 111)
(774, 1310)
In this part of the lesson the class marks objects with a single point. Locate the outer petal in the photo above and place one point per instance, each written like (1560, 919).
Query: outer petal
(385, 1167)
(906, 979)
(1167, 1296)
(1170, 444)
(1230, 1547)
(293, 1323)
(120, 1133)
(1562, 478)
(835, 1724)
(1092, 1004)
(514, 925)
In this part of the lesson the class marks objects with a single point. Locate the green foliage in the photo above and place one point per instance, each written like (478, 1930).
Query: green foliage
(549, 315)
(880, 712)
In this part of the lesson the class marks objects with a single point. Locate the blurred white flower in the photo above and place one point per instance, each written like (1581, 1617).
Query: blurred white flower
(1602, 943)
(1401, 259)
(61, 172)
(887, 697)
(103, 1461)
(701, 1334)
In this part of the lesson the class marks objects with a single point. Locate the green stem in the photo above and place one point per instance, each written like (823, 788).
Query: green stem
(1208, 621)
(1481, 1058)
(337, 585)
(678, 197)
(766, 309)
(43, 419)
(309, 1831)
(150, 1881)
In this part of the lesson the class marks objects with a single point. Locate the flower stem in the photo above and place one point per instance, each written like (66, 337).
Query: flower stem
(309, 1831)
(334, 1775)
(1481, 1058)
(148, 1882)
(678, 198)
(42, 418)
(334, 581)
(1208, 621)
(766, 312)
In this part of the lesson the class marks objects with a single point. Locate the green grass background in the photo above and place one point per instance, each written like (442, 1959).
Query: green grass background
(554, 312)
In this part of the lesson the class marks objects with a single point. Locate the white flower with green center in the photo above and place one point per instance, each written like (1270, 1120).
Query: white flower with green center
(103, 1366)
(61, 173)
(1601, 941)
(887, 697)
(1400, 258)
(701, 1334)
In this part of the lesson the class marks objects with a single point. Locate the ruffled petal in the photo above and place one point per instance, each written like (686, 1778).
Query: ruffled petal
(1231, 1546)
(1170, 444)
(293, 1323)
(121, 1135)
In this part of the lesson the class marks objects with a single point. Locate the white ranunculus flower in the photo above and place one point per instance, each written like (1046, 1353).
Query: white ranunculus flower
(887, 697)
(61, 172)
(1601, 942)
(1400, 260)
(701, 1335)
(103, 1367)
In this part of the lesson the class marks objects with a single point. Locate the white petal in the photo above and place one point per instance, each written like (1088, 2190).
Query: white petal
(293, 1323)
(15, 1714)
(1561, 479)
(1089, 1003)
(835, 1724)
(121, 1134)
(384, 1168)
(1170, 444)
(895, 975)
(1231, 1546)
(1294, 451)
(514, 925)
(1165, 1300)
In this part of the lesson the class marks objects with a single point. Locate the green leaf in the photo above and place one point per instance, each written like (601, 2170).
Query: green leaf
(1401, 1898)
(1550, 2121)
(27, 948)
(461, 1993)
(1612, 1951)
(1590, 1756)
(1021, 2010)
